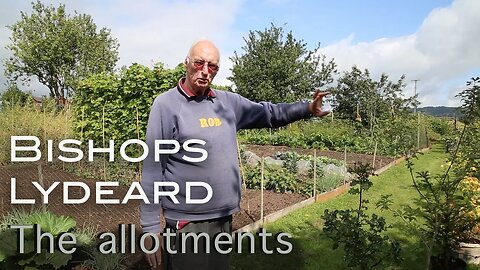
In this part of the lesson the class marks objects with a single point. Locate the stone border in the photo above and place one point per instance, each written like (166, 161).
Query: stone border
(256, 225)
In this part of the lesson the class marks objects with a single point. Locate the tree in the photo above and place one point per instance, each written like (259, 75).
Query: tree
(278, 68)
(13, 96)
(357, 94)
(59, 49)
(471, 100)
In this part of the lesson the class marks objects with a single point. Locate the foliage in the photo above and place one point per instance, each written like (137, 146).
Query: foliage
(471, 100)
(289, 161)
(44, 123)
(110, 261)
(116, 107)
(50, 223)
(13, 97)
(357, 96)
(444, 212)
(274, 178)
(470, 188)
(59, 49)
(447, 204)
(468, 156)
(392, 136)
(277, 67)
(361, 235)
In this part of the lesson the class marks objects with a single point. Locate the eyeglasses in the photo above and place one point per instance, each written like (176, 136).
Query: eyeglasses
(199, 64)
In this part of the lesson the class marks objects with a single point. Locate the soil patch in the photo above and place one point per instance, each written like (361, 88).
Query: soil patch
(106, 218)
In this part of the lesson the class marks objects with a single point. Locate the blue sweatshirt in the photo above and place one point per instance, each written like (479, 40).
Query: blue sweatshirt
(216, 121)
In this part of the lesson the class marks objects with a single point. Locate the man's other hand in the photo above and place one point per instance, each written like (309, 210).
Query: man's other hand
(154, 259)
(315, 107)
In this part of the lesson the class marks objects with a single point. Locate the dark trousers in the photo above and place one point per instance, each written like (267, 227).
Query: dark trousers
(200, 260)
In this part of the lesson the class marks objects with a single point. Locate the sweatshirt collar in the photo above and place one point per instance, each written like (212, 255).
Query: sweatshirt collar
(189, 93)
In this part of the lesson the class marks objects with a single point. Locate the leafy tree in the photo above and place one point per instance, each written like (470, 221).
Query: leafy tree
(13, 96)
(369, 101)
(278, 68)
(117, 105)
(59, 49)
(471, 100)
(361, 235)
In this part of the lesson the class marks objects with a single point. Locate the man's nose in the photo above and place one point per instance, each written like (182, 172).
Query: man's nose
(205, 68)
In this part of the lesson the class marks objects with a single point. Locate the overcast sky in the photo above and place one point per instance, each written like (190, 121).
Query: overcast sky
(433, 41)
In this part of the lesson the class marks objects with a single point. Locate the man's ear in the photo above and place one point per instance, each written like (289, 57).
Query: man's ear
(185, 62)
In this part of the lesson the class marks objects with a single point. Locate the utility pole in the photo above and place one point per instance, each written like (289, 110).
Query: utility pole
(418, 115)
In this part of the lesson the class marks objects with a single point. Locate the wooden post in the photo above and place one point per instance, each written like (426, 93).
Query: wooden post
(374, 155)
(44, 131)
(242, 175)
(66, 131)
(103, 143)
(83, 123)
(315, 174)
(40, 180)
(138, 137)
(426, 138)
(12, 120)
(345, 161)
(261, 192)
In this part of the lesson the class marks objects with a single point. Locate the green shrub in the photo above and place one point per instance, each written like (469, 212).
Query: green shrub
(30, 259)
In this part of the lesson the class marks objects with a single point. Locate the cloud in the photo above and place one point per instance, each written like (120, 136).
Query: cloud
(443, 53)
(148, 31)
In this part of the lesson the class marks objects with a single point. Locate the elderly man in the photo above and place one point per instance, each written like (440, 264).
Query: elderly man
(193, 110)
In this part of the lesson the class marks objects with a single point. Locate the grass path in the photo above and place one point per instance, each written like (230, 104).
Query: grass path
(312, 249)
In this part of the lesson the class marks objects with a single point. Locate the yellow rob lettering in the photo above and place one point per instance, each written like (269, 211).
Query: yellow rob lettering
(210, 122)
(203, 122)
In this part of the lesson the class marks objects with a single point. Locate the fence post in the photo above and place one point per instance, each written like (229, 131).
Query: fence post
(138, 137)
(103, 145)
(315, 174)
(242, 175)
(261, 192)
(345, 161)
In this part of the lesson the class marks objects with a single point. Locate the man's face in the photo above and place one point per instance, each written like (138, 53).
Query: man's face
(202, 66)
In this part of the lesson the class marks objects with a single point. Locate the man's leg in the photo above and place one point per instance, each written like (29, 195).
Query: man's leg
(199, 259)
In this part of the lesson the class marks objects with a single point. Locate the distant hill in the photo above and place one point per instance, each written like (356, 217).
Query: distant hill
(440, 111)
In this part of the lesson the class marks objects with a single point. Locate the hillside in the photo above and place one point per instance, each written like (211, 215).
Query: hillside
(440, 111)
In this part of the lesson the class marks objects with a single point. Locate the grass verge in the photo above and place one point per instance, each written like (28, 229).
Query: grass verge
(313, 250)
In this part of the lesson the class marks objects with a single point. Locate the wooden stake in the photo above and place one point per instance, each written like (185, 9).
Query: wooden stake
(66, 131)
(261, 193)
(138, 137)
(315, 174)
(44, 131)
(345, 161)
(103, 142)
(83, 123)
(374, 155)
(40, 180)
(242, 175)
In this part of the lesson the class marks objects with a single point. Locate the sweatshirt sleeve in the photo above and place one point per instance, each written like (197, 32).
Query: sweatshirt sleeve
(250, 114)
(152, 170)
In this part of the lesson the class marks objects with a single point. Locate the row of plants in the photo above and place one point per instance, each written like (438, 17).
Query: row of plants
(391, 138)
(85, 254)
(287, 179)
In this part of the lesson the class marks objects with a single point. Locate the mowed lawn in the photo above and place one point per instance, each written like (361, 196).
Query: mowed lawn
(313, 250)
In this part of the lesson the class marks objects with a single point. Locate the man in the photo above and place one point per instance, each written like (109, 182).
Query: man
(193, 110)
